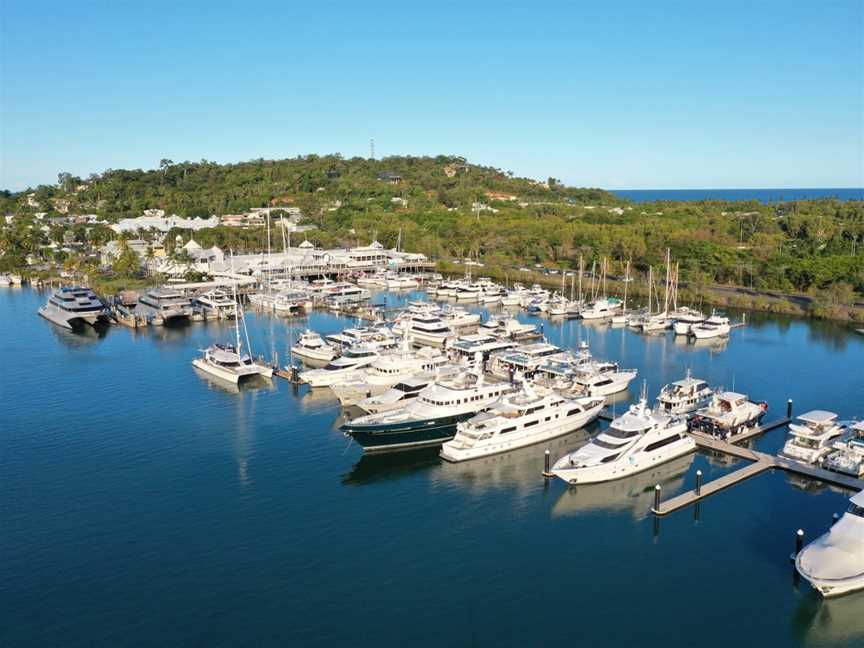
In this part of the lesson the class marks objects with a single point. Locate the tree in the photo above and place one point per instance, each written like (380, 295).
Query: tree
(127, 264)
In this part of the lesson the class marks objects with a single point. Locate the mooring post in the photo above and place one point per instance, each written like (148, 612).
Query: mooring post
(789, 408)
(834, 518)
(698, 483)
(657, 490)
(547, 460)
(799, 544)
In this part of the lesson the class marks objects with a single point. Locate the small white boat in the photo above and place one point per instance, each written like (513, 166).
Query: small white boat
(600, 309)
(684, 396)
(519, 420)
(402, 283)
(834, 562)
(218, 304)
(811, 437)
(312, 347)
(728, 414)
(685, 318)
(636, 441)
(848, 452)
(714, 326)
(337, 369)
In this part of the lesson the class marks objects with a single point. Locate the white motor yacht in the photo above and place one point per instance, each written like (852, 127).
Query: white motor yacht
(336, 370)
(714, 326)
(311, 347)
(428, 330)
(685, 318)
(402, 283)
(386, 371)
(601, 379)
(834, 562)
(460, 320)
(848, 452)
(684, 396)
(228, 362)
(600, 309)
(69, 305)
(728, 414)
(811, 437)
(217, 303)
(636, 441)
(519, 420)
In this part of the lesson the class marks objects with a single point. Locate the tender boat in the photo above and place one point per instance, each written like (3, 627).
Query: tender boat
(636, 441)
(811, 437)
(519, 420)
(71, 305)
(431, 418)
(834, 562)
(714, 326)
(728, 414)
(164, 304)
(684, 396)
(311, 347)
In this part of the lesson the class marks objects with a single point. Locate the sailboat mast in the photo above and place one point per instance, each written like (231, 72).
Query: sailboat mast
(237, 314)
(666, 295)
(626, 283)
(581, 269)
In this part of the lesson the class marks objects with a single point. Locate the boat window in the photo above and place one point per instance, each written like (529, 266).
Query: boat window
(506, 430)
(662, 442)
(621, 434)
(610, 458)
(574, 411)
(606, 444)
(530, 423)
(854, 509)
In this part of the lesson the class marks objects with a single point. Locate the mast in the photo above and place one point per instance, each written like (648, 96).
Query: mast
(581, 268)
(269, 258)
(626, 283)
(237, 315)
(593, 280)
(650, 283)
(666, 294)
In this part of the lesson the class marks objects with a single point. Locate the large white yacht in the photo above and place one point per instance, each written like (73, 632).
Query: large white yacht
(525, 358)
(848, 454)
(459, 319)
(811, 437)
(685, 318)
(834, 562)
(429, 419)
(217, 303)
(311, 347)
(684, 396)
(519, 420)
(714, 326)
(386, 371)
(228, 362)
(70, 305)
(164, 304)
(601, 379)
(508, 327)
(292, 302)
(336, 370)
(426, 329)
(636, 441)
(728, 414)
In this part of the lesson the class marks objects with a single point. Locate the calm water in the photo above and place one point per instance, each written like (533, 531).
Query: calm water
(762, 195)
(142, 505)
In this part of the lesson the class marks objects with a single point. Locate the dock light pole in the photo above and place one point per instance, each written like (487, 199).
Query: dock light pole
(789, 408)
(698, 483)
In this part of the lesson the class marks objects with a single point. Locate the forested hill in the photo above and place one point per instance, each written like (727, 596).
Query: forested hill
(313, 183)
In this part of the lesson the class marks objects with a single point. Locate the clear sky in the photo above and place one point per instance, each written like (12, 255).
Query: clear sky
(612, 94)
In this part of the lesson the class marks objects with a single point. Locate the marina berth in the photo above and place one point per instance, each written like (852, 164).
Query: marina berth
(217, 304)
(684, 396)
(636, 441)
(848, 452)
(518, 420)
(69, 306)
(311, 347)
(353, 358)
(834, 562)
(728, 414)
(811, 437)
(429, 419)
(386, 371)
(714, 326)
(165, 305)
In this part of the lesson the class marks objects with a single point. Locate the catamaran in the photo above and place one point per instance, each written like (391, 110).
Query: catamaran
(70, 305)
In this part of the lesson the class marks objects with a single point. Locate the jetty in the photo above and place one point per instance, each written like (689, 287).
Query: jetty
(760, 462)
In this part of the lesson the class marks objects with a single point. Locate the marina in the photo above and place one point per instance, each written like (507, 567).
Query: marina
(258, 441)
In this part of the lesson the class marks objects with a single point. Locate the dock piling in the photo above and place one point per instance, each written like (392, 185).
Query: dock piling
(547, 461)
(799, 544)
(698, 483)
(657, 491)
(789, 409)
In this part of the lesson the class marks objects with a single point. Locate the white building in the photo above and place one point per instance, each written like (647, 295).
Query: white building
(164, 223)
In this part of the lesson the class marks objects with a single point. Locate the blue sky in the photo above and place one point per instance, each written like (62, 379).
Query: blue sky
(611, 94)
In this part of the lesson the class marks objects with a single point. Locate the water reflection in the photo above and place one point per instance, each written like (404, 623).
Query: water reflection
(829, 622)
(81, 336)
(252, 383)
(635, 493)
(388, 466)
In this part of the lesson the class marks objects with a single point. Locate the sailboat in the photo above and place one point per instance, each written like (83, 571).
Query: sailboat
(621, 318)
(227, 361)
(600, 307)
(659, 321)
(266, 300)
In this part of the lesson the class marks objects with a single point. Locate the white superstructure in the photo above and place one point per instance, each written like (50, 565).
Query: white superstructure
(811, 437)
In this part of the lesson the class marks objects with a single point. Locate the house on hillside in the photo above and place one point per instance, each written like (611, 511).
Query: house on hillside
(389, 176)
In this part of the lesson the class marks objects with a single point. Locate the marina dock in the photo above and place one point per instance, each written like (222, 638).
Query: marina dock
(761, 462)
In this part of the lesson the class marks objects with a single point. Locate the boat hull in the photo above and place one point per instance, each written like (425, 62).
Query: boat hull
(405, 436)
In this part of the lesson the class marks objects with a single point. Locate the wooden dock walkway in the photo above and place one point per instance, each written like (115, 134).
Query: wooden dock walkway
(761, 462)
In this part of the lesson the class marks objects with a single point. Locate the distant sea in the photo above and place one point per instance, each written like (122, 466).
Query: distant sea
(762, 195)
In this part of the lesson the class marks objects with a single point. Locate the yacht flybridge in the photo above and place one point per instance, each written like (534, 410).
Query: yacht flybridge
(834, 562)
(70, 305)
(636, 441)
(339, 368)
(519, 420)
(811, 437)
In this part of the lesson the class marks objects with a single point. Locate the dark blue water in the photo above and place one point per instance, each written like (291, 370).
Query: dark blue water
(762, 195)
(141, 505)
